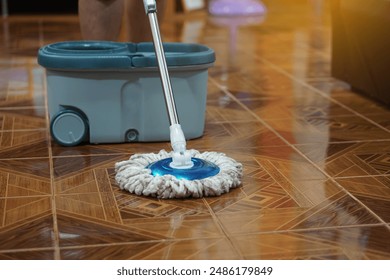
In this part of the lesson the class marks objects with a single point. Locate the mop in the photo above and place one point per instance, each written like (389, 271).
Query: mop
(180, 173)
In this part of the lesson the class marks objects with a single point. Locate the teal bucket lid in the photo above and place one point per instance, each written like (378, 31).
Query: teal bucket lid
(118, 55)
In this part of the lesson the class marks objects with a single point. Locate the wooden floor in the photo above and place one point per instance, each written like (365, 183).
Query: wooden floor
(316, 155)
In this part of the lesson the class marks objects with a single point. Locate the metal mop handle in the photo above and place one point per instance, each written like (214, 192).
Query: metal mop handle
(151, 9)
(180, 158)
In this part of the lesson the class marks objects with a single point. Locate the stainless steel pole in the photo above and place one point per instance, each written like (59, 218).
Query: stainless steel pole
(162, 65)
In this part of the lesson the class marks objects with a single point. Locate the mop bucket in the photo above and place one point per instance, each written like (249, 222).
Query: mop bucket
(110, 92)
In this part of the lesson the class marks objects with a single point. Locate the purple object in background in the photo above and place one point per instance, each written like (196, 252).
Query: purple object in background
(236, 7)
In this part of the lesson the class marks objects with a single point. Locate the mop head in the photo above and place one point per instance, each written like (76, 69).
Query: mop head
(135, 176)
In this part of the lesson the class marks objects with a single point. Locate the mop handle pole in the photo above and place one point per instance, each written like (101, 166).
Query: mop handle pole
(151, 9)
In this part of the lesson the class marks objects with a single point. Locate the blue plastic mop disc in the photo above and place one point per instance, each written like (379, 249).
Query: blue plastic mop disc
(200, 170)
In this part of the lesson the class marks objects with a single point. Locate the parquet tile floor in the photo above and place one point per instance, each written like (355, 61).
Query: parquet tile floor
(316, 155)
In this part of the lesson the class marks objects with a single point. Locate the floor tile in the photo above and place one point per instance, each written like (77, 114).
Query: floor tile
(256, 81)
(196, 249)
(18, 185)
(350, 243)
(228, 111)
(373, 192)
(199, 249)
(28, 255)
(33, 230)
(382, 119)
(329, 86)
(285, 162)
(360, 103)
(23, 144)
(23, 119)
(76, 230)
(92, 193)
(33, 167)
(111, 252)
(284, 108)
(338, 210)
(267, 193)
(180, 227)
(350, 159)
(17, 210)
(21, 84)
(324, 129)
(73, 165)
(248, 136)
(87, 149)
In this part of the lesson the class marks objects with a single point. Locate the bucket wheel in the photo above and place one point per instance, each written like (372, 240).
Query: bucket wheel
(69, 127)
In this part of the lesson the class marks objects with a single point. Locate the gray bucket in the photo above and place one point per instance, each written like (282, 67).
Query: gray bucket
(110, 92)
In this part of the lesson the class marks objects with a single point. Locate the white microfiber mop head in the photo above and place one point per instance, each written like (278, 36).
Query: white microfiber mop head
(134, 176)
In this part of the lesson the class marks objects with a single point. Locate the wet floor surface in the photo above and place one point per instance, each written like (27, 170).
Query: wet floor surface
(316, 154)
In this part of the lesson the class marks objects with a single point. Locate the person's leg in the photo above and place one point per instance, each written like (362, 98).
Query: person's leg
(101, 19)
(138, 27)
